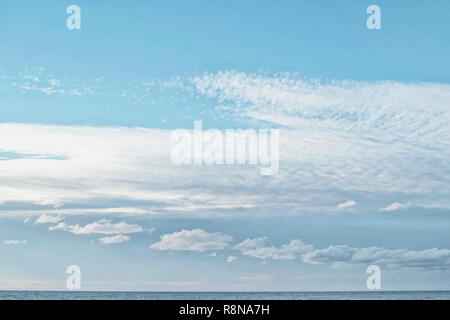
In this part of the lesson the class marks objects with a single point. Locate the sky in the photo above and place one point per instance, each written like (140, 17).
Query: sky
(87, 118)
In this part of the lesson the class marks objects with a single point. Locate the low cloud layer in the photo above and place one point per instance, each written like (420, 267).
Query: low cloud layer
(430, 259)
(260, 248)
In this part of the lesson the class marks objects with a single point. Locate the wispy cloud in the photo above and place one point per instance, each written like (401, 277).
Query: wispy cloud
(42, 81)
(48, 219)
(114, 239)
(345, 138)
(15, 242)
(103, 226)
(384, 110)
(397, 206)
(347, 204)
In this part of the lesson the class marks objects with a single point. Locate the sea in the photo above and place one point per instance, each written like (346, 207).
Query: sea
(134, 295)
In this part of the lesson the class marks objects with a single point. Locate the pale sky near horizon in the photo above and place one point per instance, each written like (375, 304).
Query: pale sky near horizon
(86, 118)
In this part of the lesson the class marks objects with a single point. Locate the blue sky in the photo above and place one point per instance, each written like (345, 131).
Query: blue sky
(86, 117)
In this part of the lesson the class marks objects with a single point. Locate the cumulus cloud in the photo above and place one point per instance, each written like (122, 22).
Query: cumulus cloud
(334, 253)
(397, 206)
(103, 226)
(193, 240)
(259, 248)
(14, 242)
(114, 239)
(347, 204)
(48, 219)
(430, 259)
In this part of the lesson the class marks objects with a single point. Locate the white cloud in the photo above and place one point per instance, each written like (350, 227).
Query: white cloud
(59, 226)
(86, 171)
(114, 239)
(429, 259)
(259, 248)
(36, 79)
(334, 253)
(192, 240)
(360, 136)
(347, 204)
(231, 259)
(397, 206)
(15, 242)
(252, 243)
(48, 219)
(346, 139)
(383, 110)
(103, 226)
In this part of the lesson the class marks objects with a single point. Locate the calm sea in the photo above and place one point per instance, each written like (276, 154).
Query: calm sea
(115, 295)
